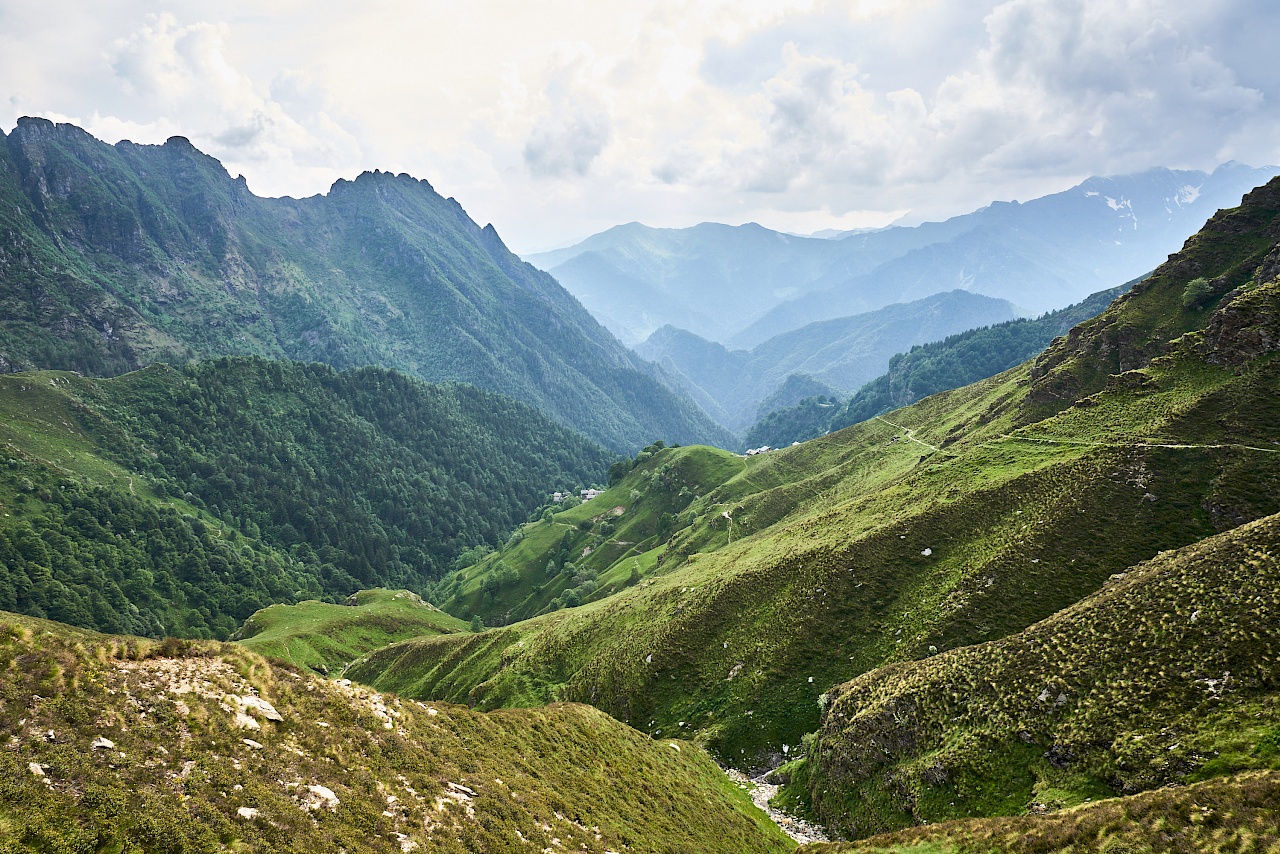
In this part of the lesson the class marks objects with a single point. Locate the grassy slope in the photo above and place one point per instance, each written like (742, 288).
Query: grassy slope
(326, 637)
(1234, 814)
(442, 777)
(865, 548)
(609, 536)
(1016, 531)
(1167, 675)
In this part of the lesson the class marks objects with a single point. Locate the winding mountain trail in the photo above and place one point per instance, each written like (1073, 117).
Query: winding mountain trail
(910, 434)
(1235, 446)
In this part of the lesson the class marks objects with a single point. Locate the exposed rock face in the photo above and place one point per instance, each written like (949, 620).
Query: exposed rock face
(1245, 327)
(260, 706)
(1269, 270)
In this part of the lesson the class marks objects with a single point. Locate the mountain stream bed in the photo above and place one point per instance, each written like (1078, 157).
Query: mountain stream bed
(761, 793)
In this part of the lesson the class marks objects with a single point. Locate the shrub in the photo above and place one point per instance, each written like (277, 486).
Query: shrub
(1197, 292)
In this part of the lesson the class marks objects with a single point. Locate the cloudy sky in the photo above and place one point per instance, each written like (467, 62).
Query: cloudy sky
(559, 119)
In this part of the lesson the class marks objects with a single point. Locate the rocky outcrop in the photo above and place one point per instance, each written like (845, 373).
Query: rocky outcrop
(1244, 327)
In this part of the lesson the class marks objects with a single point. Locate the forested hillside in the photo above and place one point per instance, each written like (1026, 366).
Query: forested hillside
(114, 257)
(842, 354)
(173, 501)
(927, 369)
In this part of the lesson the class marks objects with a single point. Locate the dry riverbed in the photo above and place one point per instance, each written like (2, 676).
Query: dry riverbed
(761, 794)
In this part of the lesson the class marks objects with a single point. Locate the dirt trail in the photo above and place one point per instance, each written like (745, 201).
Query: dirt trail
(910, 434)
(1137, 444)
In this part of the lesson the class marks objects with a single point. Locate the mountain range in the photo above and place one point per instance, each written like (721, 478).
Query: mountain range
(1035, 612)
(901, 558)
(840, 355)
(117, 256)
(925, 369)
(742, 285)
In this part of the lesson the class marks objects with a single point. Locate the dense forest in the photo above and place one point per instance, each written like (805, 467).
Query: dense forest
(193, 497)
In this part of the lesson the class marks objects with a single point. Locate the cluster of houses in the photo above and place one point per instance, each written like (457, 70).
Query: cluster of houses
(751, 452)
(585, 495)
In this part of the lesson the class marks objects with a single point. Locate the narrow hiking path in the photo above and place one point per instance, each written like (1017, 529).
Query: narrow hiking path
(910, 434)
(1235, 446)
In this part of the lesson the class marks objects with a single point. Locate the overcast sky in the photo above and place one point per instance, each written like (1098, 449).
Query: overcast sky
(555, 120)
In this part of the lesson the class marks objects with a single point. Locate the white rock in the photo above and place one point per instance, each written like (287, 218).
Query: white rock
(927, 552)
(320, 797)
(103, 743)
(260, 705)
(36, 768)
(246, 722)
(255, 745)
(247, 813)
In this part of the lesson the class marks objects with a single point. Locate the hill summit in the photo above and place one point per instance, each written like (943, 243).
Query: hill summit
(116, 256)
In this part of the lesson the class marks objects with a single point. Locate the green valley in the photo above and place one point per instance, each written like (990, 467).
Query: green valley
(343, 608)
(962, 519)
(597, 547)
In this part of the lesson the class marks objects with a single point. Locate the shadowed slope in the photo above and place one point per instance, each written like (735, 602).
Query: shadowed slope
(963, 518)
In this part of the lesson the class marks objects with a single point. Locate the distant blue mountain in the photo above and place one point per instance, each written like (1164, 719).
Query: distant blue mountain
(741, 285)
(830, 357)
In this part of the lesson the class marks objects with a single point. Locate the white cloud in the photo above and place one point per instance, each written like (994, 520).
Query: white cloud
(573, 128)
(556, 121)
(182, 73)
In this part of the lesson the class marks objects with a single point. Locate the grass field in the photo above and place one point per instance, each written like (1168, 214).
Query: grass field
(325, 637)
(964, 518)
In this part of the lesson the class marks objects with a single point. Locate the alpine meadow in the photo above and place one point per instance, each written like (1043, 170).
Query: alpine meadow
(904, 519)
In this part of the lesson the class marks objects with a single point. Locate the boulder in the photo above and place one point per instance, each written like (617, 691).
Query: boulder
(320, 798)
(260, 706)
